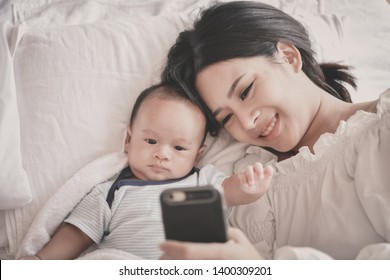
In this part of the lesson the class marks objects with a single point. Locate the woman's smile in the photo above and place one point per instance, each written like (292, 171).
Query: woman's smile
(269, 127)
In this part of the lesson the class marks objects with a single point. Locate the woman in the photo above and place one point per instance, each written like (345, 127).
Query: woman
(250, 67)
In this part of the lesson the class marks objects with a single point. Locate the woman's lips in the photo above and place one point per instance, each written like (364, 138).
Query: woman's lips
(267, 131)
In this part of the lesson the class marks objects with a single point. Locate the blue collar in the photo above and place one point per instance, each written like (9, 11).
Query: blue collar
(122, 180)
(135, 182)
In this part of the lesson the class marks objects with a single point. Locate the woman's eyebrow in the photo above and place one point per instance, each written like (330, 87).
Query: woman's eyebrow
(233, 87)
(230, 93)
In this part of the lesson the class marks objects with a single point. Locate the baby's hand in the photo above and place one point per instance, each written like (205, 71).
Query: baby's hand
(255, 179)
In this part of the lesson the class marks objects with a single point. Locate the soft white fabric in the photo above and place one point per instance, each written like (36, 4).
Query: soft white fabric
(77, 106)
(50, 13)
(134, 220)
(109, 254)
(14, 185)
(76, 84)
(379, 251)
(336, 200)
(5, 11)
(64, 200)
(328, 34)
(301, 253)
(367, 43)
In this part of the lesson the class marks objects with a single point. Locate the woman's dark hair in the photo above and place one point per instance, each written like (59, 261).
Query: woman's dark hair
(245, 29)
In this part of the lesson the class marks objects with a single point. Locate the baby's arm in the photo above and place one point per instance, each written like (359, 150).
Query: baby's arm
(248, 185)
(66, 244)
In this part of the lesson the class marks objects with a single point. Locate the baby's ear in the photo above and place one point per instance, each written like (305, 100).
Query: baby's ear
(202, 149)
(128, 137)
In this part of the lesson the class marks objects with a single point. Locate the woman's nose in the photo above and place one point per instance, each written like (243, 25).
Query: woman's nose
(248, 119)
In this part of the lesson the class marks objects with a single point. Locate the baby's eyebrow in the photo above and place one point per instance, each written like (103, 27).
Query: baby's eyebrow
(216, 112)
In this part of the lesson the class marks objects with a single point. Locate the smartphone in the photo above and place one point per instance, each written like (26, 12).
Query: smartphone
(193, 214)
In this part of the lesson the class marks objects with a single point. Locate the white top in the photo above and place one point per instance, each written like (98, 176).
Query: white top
(134, 222)
(336, 200)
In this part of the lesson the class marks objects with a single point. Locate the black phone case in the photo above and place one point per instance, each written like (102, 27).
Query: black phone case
(198, 218)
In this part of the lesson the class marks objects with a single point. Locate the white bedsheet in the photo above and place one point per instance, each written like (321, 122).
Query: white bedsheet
(54, 148)
(367, 42)
(5, 10)
(66, 198)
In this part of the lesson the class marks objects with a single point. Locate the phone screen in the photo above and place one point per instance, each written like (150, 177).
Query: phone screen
(193, 214)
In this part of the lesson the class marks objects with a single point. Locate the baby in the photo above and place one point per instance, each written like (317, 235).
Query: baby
(165, 139)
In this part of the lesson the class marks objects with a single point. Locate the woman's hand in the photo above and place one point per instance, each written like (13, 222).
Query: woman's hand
(238, 247)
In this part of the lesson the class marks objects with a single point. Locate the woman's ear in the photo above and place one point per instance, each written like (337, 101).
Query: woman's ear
(127, 140)
(290, 54)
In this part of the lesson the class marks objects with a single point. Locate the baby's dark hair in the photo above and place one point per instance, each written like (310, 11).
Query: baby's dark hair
(241, 29)
(164, 91)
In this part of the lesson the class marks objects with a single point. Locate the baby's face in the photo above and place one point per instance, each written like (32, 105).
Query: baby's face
(165, 139)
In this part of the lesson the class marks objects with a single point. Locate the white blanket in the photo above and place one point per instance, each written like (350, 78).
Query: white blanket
(66, 198)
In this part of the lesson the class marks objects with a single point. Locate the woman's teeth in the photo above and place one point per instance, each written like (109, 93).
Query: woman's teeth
(267, 130)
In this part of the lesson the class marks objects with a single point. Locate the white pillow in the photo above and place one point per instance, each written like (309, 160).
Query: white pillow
(328, 35)
(76, 85)
(50, 13)
(14, 185)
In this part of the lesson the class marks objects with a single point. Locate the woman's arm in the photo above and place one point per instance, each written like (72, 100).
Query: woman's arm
(248, 185)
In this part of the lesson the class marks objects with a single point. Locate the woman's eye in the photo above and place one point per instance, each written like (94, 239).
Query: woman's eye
(179, 148)
(150, 141)
(226, 119)
(245, 92)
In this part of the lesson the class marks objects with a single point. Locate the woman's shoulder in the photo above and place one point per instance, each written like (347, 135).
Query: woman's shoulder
(367, 115)
(352, 136)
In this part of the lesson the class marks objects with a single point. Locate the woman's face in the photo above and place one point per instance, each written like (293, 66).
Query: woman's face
(258, 100)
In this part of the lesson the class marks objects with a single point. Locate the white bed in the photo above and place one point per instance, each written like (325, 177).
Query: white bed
(71, 70)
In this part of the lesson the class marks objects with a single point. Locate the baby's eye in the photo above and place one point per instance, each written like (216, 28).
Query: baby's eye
(179, 148)
(151, 141)
(226, 119)
(245, 92)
